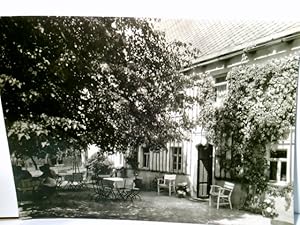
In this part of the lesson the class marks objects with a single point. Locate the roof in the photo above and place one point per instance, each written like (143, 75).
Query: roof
(215, 37)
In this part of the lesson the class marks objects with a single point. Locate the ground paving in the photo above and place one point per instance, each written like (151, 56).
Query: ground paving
(151, 208)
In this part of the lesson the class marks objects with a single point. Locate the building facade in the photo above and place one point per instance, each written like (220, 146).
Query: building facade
(224, 46)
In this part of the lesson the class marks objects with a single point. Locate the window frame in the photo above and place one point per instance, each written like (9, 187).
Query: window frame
(178, 157)
(279, 161)
(219, 84)
(145, 158)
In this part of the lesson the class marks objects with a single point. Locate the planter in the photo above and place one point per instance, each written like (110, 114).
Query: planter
(182, 190)
(138, 182)
(239, 196)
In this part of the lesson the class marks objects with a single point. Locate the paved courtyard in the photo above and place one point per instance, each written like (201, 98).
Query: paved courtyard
(150, 208)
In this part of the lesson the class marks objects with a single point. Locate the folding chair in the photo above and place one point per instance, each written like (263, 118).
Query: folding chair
(109, 190)
(132, 192)
(100, 191)
(74, 181)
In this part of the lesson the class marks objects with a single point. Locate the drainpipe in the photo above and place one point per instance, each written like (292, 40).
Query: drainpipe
(297, 154)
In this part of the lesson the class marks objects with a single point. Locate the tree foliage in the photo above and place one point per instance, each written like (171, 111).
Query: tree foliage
(74, 81)
(258, 111)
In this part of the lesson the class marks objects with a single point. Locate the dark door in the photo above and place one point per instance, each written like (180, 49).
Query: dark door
(204, 170)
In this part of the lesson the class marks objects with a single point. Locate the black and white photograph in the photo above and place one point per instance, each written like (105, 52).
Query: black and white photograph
(151, 119)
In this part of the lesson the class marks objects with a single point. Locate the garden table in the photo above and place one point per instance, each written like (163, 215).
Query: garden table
(117, 182)
(116, 186)
(102, 176)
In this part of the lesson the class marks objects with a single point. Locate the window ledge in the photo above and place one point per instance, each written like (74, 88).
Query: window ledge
(278, 183)
(157, 171)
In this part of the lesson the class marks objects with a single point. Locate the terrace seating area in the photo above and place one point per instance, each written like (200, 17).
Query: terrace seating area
(66, 180)
(152, 207)
(115, 188)
(104, 190)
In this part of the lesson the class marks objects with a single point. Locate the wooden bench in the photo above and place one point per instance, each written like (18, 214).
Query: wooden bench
(28, 187)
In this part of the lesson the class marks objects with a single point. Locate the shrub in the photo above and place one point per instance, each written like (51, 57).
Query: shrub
(100, 164)
(268, 208)
(265, 203)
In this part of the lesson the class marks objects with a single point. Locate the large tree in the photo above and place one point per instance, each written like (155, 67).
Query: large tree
(73, 81)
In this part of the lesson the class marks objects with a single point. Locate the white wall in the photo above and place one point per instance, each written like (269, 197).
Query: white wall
(8, 202)
(117, 158)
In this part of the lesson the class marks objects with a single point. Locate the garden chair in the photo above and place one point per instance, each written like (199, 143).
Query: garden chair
(167, 182)
(110, 191)
(59, 180)
(223, 194)
(74, 181)
(78, 180)
(131, 191)
(101, 192)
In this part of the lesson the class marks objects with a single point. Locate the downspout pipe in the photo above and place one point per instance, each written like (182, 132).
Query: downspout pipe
(297, 155)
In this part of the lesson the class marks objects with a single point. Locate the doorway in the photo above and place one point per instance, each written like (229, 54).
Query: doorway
(204, 174)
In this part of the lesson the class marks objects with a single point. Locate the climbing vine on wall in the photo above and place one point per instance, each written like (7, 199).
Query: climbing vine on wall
(257, 111)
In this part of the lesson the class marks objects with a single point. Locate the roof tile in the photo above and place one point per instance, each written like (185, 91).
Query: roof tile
(212, 36)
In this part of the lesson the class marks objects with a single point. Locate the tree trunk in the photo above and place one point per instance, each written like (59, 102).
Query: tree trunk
(34, 163)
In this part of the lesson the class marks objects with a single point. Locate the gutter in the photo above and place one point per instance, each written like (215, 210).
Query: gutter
(213, 60)
(288, 38)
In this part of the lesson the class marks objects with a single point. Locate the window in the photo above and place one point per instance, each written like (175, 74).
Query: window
(220, 79)
(146, 154)
(278, 165)
(220, 88)
(176, 159)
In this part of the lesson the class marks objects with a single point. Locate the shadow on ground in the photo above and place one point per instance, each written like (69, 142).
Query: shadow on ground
(150, 208)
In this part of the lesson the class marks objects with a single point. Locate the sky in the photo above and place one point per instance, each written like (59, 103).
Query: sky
(217, 9)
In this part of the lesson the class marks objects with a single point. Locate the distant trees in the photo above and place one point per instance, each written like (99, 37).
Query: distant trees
(67, 82)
